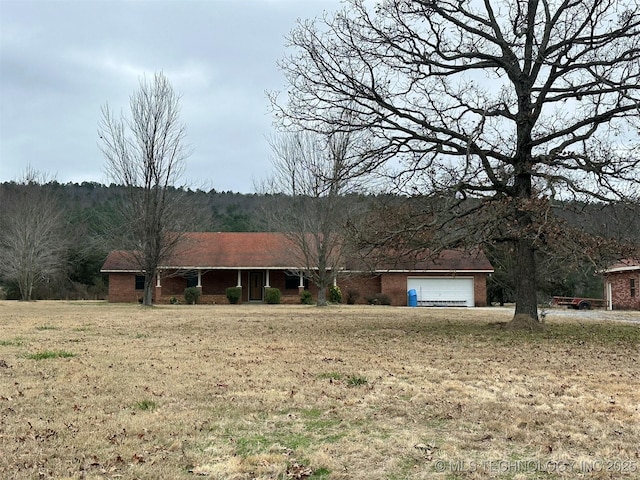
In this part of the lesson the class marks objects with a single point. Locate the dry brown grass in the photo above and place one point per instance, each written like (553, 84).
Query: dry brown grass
(243, 392)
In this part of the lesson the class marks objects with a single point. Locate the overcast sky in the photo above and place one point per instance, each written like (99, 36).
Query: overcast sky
(61, 60)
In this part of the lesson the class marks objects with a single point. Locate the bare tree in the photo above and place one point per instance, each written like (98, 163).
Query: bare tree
(512, 103)
(146, 154)
(312, 198)
(32, 233)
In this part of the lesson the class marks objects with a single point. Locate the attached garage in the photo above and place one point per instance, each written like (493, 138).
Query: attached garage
(443, 291)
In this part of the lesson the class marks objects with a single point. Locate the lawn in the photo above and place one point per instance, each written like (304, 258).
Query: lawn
(92, 390)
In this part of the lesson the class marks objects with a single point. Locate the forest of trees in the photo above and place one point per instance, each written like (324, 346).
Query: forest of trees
(88, 216)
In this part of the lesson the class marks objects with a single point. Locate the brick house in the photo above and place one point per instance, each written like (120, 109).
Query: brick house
(622, 285)
(214, 261)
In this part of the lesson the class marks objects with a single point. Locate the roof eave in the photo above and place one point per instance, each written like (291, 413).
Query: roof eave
(113, 270)
(622, 269)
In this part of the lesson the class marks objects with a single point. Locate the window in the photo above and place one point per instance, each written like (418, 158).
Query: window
(292, 281)
(192, 279)
(139, 282)
(632, 287)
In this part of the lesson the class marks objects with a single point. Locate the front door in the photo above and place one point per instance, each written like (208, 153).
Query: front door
(256, 282)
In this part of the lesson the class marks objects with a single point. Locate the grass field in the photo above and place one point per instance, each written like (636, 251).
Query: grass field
(92, 390)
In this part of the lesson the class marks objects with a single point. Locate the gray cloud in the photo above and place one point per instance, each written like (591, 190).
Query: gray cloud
(60, 61)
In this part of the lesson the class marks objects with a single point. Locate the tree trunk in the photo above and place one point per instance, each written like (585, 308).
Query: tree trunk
(26, 288)
(147, 298)
(322, 296)
(526, 314)
(323, 277)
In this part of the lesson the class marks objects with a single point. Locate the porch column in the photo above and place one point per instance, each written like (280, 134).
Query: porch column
(266, 282)
(239, 285)
(199, 285)
(158, 290)
(301, 284)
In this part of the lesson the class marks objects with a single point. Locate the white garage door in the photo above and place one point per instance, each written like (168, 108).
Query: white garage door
(443, 291)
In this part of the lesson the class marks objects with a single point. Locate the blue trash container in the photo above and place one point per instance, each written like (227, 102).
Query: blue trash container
(413, 298)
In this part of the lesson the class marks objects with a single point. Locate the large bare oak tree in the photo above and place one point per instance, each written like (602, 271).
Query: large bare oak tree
(146, 153)
(512, 104)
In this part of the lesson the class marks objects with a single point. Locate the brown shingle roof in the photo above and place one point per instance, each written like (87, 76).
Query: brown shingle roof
(119, 261)
(234, 250)
(245, 250)
(444, 261)
(219, 250)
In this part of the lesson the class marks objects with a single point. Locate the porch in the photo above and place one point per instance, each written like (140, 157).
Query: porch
(170, 285)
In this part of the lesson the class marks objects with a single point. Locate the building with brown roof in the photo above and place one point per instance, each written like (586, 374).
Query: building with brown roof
(214, 261)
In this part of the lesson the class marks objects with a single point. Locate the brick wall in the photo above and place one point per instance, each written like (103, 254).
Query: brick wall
(122, 288)
(215, 283)
(480, 289)
(173, 286)
(363, 286)
(621, 293)
(394, 285)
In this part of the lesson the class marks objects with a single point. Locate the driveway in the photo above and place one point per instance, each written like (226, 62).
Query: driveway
(597, 314)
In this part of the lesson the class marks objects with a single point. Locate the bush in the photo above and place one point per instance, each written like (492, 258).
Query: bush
(335, 294)
(191, 295)
(272, 295)
(173, 301)
(306, 298)
(352, 296)
(233, 294)
(379, 299)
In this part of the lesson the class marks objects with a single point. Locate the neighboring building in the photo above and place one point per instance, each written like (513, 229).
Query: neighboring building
(213, 262)
(622, 285)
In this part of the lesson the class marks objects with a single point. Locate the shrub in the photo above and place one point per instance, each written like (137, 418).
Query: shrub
(173, 301)
(272, 295)
(191, 295)
(306, 298)
(335, 294)
(352, 296)
(379, 299)
(233, 294)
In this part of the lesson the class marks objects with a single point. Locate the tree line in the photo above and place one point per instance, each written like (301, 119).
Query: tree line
(54, 237)
(76, 221)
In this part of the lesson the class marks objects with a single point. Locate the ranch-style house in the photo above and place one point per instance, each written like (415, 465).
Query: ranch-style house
(214, 261)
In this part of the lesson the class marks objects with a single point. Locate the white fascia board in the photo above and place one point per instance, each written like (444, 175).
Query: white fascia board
(450, 272)
(121, 271)
(183, 267)
(622, 269)
(454, 272)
